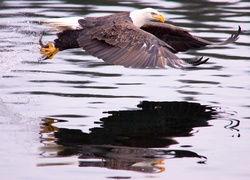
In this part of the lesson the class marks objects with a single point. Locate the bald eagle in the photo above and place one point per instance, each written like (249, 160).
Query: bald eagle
(131, 39)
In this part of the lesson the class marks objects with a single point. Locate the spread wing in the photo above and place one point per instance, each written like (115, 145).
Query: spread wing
(180, 39)
(120, 42)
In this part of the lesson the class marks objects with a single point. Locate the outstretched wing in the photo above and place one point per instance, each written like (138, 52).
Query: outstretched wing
(120, 42)
(180, 39)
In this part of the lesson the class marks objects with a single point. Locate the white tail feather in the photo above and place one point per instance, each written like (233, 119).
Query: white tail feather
(59, 24)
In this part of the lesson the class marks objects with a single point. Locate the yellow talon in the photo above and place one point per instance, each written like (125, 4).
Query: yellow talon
(48, 50)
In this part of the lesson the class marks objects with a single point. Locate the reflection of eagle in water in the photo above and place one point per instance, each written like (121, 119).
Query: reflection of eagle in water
(130, 39)
(134, 140)
(153, 125)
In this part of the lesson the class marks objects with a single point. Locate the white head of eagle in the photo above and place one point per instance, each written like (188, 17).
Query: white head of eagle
(144, 16)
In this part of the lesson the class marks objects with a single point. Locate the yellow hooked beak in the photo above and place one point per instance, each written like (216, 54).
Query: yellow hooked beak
(159, 17)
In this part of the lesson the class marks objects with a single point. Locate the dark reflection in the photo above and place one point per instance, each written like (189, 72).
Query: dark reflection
(125, 138)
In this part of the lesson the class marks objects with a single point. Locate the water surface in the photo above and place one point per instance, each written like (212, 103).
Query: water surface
(76, 116)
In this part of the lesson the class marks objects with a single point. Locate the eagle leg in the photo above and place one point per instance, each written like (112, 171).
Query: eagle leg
(49, 50)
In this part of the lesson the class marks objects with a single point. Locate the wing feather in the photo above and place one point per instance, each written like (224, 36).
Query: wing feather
(118, 41)
(180, 39)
